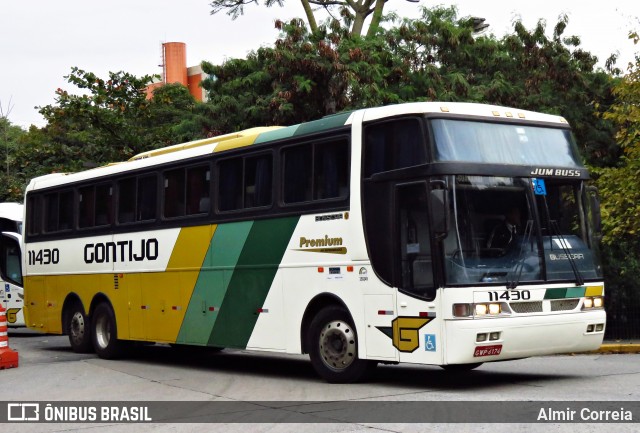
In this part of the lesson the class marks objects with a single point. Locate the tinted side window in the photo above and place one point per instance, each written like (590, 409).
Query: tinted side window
(94, 206)
(257, 181)
(147, 198)
(86, 205)
(230, 185)
(198, 196)
(58, 211)
(34, 215)
(127, 200)
(393, 145)
(245, 182)
(137, 199)
(174, 193)
(331, 169)
(316, 171)
(298, 174)
(104, 205)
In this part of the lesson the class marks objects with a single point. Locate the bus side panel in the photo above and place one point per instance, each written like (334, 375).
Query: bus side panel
(34, 301)
(212, 283)
(251, 281)
(158, 301)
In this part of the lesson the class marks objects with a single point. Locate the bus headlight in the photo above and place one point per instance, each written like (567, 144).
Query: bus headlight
(480, 310)
(593, 303)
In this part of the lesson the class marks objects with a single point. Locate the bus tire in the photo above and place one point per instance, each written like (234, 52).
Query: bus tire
(333, 347)
(79, 329)
(105, 333)
(461, 367)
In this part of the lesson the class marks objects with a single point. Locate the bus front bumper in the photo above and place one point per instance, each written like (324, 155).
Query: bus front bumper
(497, 339)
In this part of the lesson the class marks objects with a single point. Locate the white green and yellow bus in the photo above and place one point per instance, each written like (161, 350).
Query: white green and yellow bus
(11, 290)
(360, 238)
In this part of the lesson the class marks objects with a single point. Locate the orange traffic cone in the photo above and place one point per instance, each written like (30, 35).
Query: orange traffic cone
(8, 357)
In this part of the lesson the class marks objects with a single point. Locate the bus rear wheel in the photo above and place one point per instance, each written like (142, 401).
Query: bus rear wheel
(104, 333)
(79, 330)
(333, 347)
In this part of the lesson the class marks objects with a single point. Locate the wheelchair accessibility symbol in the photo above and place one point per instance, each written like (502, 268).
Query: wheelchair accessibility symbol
(430, 342)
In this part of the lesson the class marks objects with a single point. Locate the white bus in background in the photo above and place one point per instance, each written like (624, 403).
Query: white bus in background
(11, 289)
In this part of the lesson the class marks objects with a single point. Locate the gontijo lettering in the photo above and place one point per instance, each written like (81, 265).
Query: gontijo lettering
(121, 251)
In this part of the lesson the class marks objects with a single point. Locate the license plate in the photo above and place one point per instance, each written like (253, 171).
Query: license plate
(488, 350)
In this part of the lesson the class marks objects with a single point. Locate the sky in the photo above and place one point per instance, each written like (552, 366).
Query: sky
(41, 40)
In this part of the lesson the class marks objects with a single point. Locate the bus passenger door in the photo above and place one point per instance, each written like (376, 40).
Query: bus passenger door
(11, 291)
(415, 330)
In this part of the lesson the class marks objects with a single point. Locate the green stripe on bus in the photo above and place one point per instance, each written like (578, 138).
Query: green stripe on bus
(575, 292)
(213, 281)
(251, 281)
(565, 292)
(277, 134)
(555, 293)
(335, 121)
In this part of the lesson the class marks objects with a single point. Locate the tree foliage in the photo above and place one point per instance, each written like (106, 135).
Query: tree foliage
(101, 121)
(353, 13)
(306, 75)
(619, 184)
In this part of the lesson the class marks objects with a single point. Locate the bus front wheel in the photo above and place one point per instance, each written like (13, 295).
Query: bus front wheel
(333, 347)
(104, 332)
(79, 330)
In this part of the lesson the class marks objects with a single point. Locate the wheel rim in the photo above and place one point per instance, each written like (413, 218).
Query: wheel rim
(103, 331)
(77, 328)
(337, 345)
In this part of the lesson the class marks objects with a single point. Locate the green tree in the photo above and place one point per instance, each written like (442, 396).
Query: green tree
(10, 136)
(354, 13)
(104, 123)
(112, 119)
(306, 75)
(619, 184)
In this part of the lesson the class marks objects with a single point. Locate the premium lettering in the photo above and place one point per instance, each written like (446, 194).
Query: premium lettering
(121, 251)
(321, 242)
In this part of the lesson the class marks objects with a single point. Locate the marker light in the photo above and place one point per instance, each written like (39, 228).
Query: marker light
(461, 310)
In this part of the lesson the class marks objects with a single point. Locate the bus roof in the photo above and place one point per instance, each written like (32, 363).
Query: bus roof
(266, 134)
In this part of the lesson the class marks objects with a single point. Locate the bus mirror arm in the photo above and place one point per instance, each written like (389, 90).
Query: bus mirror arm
(439, 208)
(594, 205)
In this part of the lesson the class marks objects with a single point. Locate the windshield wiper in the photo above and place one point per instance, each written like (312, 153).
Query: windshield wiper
(564, 245)
(519, 266)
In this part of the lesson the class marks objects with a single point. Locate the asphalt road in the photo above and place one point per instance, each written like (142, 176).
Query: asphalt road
(50, 371)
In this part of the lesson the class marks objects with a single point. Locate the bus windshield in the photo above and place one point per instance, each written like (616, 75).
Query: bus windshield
(504, 143)
(518, 230)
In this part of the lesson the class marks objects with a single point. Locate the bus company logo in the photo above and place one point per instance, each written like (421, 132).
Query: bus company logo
(121, 251)
(404, 332)
(12, 315)
(555, 172)
(325, 245)
(23, 412)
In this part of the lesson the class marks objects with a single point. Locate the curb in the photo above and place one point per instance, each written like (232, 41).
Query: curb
(618, 348)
